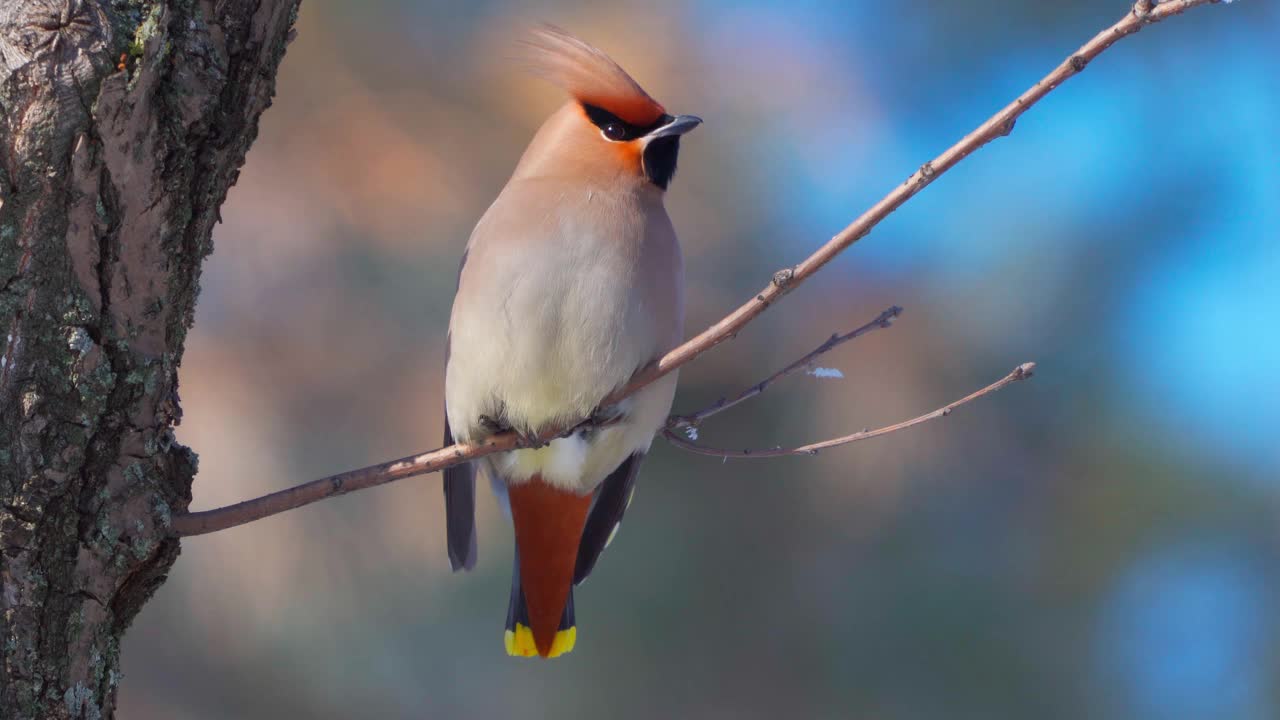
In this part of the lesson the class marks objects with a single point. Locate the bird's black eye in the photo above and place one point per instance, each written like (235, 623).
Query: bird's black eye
(614, 128)
(614, 131)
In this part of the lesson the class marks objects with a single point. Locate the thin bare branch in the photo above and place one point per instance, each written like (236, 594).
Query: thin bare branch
(997, 125)
(1021, 372)
(783, 281)
(692, 420)
(207, 521)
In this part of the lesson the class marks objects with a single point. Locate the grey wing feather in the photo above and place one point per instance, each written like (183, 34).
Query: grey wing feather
(459, 492)
(612, 499)
(460, 511)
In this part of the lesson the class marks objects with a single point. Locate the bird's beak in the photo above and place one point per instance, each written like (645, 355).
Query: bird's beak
(679, 125)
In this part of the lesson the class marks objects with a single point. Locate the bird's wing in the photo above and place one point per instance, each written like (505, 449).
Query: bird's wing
(459, 493)
(612, 499)
(460, 510)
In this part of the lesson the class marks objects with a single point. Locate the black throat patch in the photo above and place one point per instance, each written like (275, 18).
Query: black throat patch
(660, 160)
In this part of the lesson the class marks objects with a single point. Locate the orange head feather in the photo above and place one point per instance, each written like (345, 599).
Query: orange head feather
(611, 132)
(590, 76)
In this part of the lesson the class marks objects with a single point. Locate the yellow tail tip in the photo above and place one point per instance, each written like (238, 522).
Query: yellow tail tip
(519, 642)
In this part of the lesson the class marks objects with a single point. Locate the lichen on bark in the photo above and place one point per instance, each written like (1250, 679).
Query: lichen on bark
(123, 123)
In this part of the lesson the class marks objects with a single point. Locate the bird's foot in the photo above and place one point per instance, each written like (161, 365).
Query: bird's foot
(528, 437)
(605, 416)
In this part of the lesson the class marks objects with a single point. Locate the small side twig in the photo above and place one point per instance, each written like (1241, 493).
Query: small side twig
(692, 420)
(1021, 372)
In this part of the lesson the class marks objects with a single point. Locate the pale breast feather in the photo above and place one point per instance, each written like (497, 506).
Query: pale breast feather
(551, 318)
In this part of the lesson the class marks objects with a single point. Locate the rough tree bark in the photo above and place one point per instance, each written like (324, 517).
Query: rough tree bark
(122, 125)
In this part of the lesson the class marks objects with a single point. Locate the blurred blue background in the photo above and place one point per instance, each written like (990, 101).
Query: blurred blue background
(1099, 542)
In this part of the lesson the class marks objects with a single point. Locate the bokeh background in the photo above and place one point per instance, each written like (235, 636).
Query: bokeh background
(1100, 542)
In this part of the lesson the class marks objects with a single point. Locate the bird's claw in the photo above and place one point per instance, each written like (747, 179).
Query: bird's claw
(604, 416)
(530, 439)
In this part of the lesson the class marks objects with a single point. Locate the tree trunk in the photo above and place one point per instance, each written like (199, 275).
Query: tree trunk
(122, 125)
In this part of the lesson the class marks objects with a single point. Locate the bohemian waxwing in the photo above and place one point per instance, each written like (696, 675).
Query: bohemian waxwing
(572, 281)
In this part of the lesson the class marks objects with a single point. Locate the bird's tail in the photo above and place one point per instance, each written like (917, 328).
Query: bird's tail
(519, 634)
(548, 523)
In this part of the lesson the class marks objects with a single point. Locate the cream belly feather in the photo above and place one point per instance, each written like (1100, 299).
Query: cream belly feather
(559, 314)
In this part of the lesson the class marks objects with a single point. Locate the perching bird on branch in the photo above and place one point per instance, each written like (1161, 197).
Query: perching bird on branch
(571, 282)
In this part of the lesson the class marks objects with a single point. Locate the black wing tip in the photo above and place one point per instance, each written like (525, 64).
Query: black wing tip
(581, 573)
(606, 514)
(467, 562)
(460, 511)
(466, 565)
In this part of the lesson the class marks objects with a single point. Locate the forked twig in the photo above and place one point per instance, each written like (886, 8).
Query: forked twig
(692, 420)
(1021, 372)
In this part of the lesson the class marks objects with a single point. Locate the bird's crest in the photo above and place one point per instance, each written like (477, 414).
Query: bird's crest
(589, 75)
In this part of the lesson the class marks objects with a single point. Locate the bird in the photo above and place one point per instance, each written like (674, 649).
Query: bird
(571, 282)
